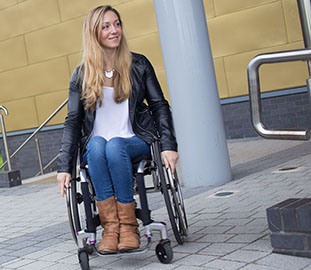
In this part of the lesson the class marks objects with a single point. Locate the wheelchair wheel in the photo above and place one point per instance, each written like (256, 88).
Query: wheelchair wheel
(175, 206)
(77, 204)
(178, 202)
(164, 252)
(74, 205)
(84, 260)
(71, 211)
(76, 212)
(171, 190)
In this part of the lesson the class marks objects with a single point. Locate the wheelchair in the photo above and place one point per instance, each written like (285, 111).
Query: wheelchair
(84, 218)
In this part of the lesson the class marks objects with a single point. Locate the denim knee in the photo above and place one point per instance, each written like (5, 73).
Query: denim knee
(96, 147)
(115, 150)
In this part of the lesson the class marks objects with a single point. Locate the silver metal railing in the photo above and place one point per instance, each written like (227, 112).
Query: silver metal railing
(34, 134)
(254, 91)
(5, 141)
(304, 7)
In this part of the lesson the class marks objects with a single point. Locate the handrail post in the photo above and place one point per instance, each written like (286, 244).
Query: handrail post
(5, 141)
(12, 178)
(36, 131)
(304, 7)
(254, 91)
(39, 155)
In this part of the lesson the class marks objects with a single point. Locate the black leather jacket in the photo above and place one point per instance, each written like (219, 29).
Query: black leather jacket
(148, 122)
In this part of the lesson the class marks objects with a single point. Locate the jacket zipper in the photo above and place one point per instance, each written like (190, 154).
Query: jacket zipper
(155, 137)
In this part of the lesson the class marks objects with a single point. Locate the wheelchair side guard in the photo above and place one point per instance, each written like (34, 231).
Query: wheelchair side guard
(90, 226)
(90, 217)
(145, 212)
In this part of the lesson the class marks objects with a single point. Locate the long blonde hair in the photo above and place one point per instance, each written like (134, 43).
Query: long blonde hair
(93, 61)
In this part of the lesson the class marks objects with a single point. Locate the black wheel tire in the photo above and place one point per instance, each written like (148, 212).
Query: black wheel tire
(165, 187)
(179, 205)
(84, 260)
(173, 208)
(164, 252)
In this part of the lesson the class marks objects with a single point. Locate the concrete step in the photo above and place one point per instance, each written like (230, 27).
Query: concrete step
(48, 178)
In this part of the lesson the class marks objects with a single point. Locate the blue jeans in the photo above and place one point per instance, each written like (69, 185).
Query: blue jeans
(110, 167)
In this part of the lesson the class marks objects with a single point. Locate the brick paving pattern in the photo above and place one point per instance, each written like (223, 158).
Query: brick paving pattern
(229, 232)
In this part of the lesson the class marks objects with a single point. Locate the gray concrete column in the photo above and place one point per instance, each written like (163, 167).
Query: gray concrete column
(193, 92)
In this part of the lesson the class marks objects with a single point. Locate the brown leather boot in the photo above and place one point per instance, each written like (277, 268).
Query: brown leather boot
(109, 220)
(129, 233)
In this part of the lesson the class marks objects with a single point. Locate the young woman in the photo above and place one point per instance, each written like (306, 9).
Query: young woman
(110, 124)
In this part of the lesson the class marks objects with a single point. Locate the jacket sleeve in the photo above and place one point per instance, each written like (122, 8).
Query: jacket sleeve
(160, 109)
(72, 126)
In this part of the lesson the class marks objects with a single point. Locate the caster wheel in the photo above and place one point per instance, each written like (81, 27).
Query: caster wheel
(89, 249)
(84, 260)
(164, 252)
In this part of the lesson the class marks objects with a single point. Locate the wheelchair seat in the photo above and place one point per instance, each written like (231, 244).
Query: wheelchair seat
(136, 161)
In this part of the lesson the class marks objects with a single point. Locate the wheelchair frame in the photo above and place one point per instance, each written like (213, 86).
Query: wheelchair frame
(81, 195)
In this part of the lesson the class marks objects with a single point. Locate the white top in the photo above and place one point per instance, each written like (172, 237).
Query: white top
(112, 119)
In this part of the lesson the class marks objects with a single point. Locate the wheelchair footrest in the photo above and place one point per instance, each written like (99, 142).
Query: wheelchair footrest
(132, 251)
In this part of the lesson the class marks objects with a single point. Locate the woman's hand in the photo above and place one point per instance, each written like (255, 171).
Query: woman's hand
(63, 180)
(170, 158)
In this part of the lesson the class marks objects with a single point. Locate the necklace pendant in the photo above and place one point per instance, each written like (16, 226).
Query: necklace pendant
(109, 73)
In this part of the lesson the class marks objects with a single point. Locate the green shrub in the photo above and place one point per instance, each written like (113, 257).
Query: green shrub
(1, 162)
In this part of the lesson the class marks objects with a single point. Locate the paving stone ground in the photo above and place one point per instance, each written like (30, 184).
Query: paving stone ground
(225, 232)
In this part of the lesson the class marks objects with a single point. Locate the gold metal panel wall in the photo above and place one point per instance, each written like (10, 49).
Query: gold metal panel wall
(41, 40)
(34, 80)
(74, 60)
(12, 53)
(57, 40)
(247, 30)
(209, 8)
(291, 16)
(150, 46)
(75, 8)
(46, 104)
(22, 114)
(28, 16)
(230, 6)
(221, 77)
(7, 3)
(138, 17)
(276, 76)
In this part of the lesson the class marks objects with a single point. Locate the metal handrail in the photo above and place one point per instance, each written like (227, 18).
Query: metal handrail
(39, 154)
(5, 141)
(304, 7)
(36, 132)
(48, 164)
(254, 91)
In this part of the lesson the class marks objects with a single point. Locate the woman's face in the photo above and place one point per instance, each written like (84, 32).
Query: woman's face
(111, 31)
